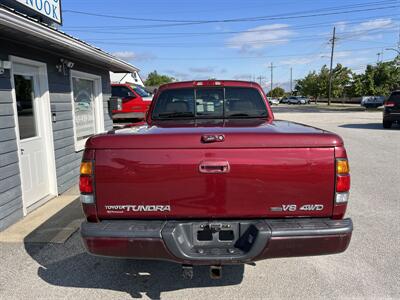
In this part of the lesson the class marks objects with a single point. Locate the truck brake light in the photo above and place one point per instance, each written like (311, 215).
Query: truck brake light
(342, 183)
(207, 83)
(389, 104)
(86, 184)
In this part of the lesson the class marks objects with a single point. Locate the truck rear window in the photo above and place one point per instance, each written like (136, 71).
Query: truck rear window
(229, 102)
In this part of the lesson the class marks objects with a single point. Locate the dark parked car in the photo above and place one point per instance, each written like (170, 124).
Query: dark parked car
(391, 112)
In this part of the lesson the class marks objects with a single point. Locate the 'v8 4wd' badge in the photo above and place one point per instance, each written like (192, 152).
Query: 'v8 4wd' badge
(293, 207)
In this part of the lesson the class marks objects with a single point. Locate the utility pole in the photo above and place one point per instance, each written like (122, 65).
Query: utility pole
(260, 78)
(272, 76)
(330, 69)
(291, 80)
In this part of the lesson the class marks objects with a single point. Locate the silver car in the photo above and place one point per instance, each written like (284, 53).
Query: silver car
(296, 100)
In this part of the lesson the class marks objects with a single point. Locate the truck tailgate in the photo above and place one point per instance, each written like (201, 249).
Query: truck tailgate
(259, 182)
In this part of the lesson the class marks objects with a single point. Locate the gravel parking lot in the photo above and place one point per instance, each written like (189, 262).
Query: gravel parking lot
(370, 268)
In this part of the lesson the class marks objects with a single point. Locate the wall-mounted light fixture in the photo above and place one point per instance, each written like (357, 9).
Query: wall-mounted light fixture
(64, 66)
(4, 64)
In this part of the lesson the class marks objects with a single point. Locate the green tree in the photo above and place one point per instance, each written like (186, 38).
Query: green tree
(276, 92)
(341, 79)
(355, 89)
(155, 79)
(309, 85)
(378, 80)
(317, 84)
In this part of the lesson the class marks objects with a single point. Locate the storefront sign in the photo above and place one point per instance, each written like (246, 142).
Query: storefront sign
(48, 8)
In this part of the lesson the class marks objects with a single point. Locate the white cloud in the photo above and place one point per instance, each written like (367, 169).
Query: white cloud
(260, 37)
(130, 56)
(298, 61)
(343, 54)
(371, 37)
(125, 55)
(355, 61)
(341, 26)
(368, 30)
(243, 76)
(314, 58)
(201, 69)
(375, 24)
(178, 75)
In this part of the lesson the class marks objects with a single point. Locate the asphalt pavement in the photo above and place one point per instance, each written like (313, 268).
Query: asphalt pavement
(370, 268)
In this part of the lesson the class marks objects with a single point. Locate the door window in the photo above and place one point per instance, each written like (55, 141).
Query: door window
(25, 106)
(84, 108)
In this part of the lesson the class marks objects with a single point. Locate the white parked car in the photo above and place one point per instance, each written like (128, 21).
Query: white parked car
(306, 99)
(273, 101)
(297, 100)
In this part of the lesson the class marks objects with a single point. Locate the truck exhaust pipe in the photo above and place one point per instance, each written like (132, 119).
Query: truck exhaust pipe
(215, 272)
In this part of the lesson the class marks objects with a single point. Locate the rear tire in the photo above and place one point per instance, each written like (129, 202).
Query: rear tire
(387, 124)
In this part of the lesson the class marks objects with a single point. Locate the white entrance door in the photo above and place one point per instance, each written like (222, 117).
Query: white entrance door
(30, 108)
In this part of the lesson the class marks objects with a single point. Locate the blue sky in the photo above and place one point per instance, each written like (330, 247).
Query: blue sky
(240, 38)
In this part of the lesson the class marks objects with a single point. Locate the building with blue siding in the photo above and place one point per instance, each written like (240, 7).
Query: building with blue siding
(54, 92)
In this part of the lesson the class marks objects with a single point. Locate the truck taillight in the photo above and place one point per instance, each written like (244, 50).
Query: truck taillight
(389, 104)
(342, 187)
(342, 183)
(86, 186)
(86, 179)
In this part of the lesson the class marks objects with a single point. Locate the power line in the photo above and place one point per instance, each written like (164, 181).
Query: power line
(209, 45)
(376, 3)
(252, 19)
(197, 35)
(119, 28)
(257, 41)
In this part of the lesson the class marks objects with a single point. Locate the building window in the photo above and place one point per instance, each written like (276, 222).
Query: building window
(87, 107)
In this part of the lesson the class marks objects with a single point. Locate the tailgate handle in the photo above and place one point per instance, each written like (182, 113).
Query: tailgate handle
(214, 167)
(212, 138)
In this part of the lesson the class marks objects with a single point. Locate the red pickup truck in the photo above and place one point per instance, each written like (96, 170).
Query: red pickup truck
(211, 178)
(135, 101)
